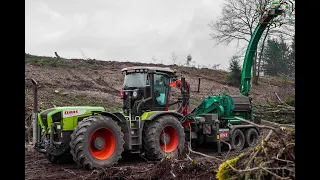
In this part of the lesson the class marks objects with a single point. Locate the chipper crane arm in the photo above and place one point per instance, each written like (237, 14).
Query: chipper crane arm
(224, 104)
(252, 48)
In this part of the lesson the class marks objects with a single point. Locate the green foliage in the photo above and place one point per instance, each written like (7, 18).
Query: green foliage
(32, 58)
(224, 171)
(291, 59)
(46, 61)
(90, 61)
(27, 55)
(278, 58)
(235, 71)
(290, 101)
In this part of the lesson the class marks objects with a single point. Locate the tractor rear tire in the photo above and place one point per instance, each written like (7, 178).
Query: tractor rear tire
(156, 133)
(97, 141)
(237, 140)
(251, 136)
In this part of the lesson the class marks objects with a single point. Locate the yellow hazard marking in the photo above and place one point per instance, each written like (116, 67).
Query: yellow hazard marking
(218, 137)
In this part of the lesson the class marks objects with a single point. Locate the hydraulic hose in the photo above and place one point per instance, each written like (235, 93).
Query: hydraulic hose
(139, 107)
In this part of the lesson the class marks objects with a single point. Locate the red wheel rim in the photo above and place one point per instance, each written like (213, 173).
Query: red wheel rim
(109, 143)
(173, 139)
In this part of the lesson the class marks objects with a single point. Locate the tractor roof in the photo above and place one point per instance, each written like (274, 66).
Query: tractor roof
(158, 69)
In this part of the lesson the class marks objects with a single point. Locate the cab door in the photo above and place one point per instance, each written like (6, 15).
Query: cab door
(161, 91)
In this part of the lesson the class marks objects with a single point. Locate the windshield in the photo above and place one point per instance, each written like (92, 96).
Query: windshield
(135, 80)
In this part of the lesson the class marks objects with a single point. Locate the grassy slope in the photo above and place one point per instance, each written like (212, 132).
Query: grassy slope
(69, 82)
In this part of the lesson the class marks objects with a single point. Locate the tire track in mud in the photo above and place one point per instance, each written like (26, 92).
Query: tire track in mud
(37, 167)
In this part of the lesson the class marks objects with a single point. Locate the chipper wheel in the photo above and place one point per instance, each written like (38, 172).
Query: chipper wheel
(97, 141)
(237, 140)
(251, 136)
(163, 137)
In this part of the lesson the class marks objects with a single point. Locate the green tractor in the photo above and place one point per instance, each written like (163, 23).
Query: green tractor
(96, 138)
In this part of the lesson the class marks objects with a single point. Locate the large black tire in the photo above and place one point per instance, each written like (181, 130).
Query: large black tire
(154, 149)
(237, 140)
(251, 136)
(82, 149)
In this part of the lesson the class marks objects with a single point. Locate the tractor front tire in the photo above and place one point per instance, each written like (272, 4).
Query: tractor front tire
(251, 136)
(97, 141)
(163, 137)
(237, 140)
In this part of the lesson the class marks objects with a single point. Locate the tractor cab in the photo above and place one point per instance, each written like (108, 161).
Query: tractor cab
(147, 86)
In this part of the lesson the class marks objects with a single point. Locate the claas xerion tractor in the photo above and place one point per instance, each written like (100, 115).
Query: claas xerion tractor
(96, 138)
(93, 137)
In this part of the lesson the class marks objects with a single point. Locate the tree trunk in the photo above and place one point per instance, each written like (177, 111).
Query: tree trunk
(261, 53)
(254, 74)
(56, 60)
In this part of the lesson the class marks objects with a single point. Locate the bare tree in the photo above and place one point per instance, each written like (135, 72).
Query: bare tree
(287, 30)
(215, 66)
(154, 60)
(188, 60)
(57, 58)
(174, 57)
(83, 55)
(193, 64)
(237, 23)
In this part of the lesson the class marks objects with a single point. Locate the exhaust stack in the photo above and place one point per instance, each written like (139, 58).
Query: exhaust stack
(35, 127)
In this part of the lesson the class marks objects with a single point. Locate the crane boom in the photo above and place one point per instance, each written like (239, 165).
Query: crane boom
(252, 48)
(226, 106)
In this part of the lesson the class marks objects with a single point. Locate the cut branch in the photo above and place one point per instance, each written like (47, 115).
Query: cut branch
(277, 124)
(278, 133)
(283, 102)
(229, 145)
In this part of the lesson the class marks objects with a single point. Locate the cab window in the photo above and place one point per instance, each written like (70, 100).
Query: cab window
(161, 85)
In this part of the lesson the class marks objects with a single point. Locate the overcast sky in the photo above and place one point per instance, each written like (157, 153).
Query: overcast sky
(136, 30)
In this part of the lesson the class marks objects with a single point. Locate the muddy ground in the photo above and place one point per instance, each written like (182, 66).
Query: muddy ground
(134, 166)
(130, 167)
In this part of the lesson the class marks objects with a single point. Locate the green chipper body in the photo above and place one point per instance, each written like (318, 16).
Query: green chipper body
(226, 107)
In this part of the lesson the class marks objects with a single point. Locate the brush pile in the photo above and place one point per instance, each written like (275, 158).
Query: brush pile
(273, 158)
